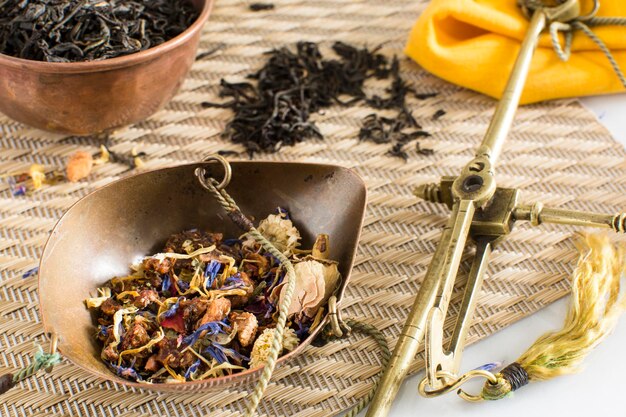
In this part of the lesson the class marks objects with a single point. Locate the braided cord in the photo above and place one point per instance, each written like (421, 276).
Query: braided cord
(375, 334)
(41, 360)
(277, 341)
(587, 31)
(227, 202)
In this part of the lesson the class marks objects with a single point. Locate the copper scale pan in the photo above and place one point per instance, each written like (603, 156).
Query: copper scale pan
(106, 231)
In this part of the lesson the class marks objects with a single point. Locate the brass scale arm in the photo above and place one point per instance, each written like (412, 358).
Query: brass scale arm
(485, 214)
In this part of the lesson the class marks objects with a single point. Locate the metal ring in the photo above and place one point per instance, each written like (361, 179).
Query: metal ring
(592, 13)
(535, 213)
(333, 315)
(54, 342)
(228, 173)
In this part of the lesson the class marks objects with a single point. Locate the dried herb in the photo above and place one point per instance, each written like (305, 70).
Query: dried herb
(423, 151)
(132, 161)
(396, 93)
(275, 110)
(398, 151)
(227, 153)
(398, 131)
(209, 53)
(439, 114)
(257, 7)
(425, 96)
(88, 30)
(205, 306)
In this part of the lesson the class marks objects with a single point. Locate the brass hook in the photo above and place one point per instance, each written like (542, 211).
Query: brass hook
(457, 382)
(228, 172)
(334, 315)
(592, 13)
(54, 342)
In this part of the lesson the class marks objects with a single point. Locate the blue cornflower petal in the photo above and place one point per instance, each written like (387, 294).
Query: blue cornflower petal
(232, 282)
(231, 353)
(30, 272)
(212, 327)
(284, 212)
(126, 372)
(103, 330)
(216, 354)
(303, 330)
(210, 272)
(193, 368)
(16, 189)
(172, 310)
(167, 282)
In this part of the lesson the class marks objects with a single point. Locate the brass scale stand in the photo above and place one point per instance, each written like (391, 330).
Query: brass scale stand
(485, 213)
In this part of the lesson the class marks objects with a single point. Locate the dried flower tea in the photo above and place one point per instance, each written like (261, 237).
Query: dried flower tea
(206, 306)
(292, 85)
(89, 30)
(79, 166)
(25, 183)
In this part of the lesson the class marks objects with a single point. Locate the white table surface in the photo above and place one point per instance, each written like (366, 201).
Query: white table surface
(597, 391)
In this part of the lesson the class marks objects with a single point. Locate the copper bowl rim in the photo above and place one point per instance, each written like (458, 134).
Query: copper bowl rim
(211, 383)
(112, 63)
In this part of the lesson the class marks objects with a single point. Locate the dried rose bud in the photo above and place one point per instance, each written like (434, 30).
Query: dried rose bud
(160, 266)
(145, 297)
(216, 311)
(110, 306)
(321, 248)
(79, 166)
(316, 280)
(247, 326)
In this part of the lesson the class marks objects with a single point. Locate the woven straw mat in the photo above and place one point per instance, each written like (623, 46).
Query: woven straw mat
(558, 153)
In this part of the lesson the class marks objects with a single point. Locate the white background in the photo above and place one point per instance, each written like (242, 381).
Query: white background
(599, 390)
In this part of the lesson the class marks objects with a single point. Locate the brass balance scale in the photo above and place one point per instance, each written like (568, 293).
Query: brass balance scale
(482, 214)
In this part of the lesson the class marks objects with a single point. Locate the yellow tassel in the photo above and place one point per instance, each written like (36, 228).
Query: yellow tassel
(595, 307)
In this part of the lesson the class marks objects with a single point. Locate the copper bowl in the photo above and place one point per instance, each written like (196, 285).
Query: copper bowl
(84, 98)
(106, 231)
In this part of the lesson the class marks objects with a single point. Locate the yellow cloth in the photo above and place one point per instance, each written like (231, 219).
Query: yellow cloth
(474, 43)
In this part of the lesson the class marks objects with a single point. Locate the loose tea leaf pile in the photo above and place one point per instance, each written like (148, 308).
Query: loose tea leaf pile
(207, 306)
(276, 110)
(88, 30)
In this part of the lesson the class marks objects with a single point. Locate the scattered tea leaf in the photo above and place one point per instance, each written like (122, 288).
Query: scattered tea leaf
(398, 150)
(209, 53)
(227, 153)
(439, 114)
(424, 96)
(423, 151)
(275, 110)
(257, 7)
